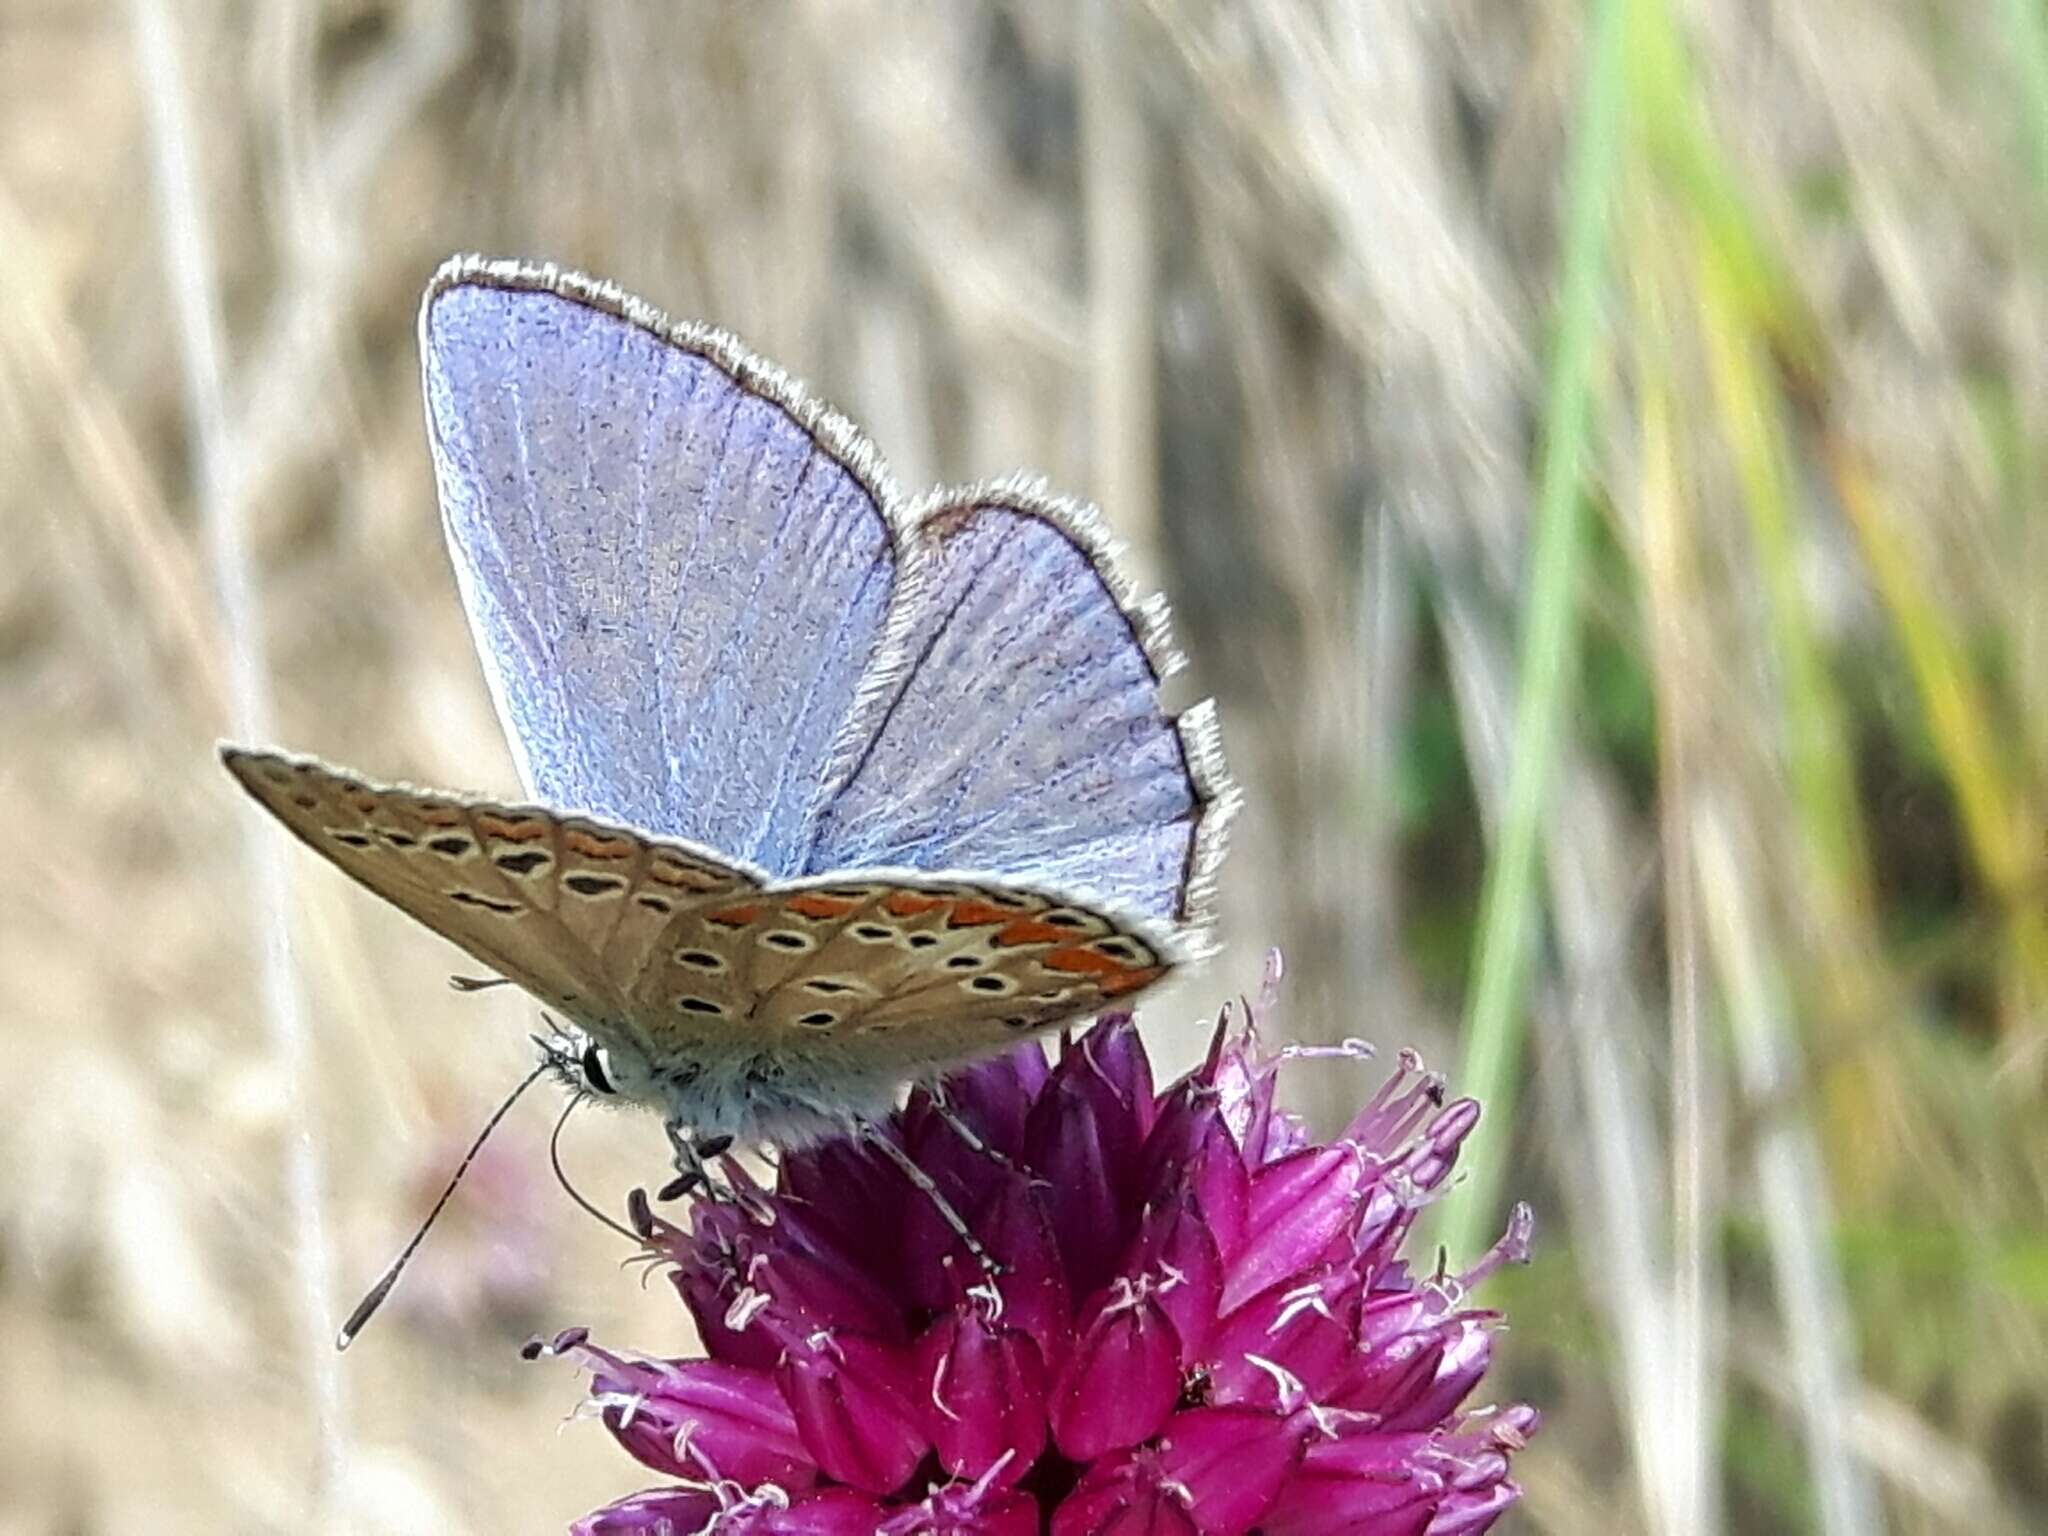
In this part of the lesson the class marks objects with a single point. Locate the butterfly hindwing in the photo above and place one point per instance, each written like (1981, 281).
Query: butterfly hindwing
(1026, 731)
(897, 967)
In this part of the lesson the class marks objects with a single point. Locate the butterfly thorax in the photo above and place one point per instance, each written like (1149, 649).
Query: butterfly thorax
(777, 1097)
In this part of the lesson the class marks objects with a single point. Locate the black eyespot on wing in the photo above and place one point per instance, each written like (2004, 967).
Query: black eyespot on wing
(988, 983)
(787, 939)
(701, 1005)
(1118, 949)
(1064, 919)
(818, 1019)
(700, 959)
(398, 839)
(487, 903)
(655, 903)
(450, 847)
(922, 940)
(524, 862)
(872, 933)
(594, 885)
(825, 986)
(351, 839)
(964, 962)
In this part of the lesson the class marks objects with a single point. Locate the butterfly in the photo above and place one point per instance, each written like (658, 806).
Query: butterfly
(829, 791)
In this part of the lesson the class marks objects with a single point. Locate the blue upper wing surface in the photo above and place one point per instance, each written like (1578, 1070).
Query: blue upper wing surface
(1022, 729)
(676, 566)
(702, 611)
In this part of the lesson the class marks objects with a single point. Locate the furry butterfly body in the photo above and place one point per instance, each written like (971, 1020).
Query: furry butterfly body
(828, 792)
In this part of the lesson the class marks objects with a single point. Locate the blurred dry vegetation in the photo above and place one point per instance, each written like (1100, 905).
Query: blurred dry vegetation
(1279, 286)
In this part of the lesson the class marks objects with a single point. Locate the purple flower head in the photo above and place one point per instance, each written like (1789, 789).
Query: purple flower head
(1185, 1316)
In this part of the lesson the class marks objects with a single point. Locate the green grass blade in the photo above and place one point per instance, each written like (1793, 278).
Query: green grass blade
(2027, 21)
(1509, 910)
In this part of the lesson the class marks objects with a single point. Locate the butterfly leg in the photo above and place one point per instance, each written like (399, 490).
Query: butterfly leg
(922, 1182)
(950, 1118)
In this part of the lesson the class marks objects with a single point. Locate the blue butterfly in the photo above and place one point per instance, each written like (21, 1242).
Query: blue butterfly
(830, 791)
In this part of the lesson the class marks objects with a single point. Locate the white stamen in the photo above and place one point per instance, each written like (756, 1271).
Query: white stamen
(1307, 1298)
(939, 1375)
(628, 1404)
(991, 1296)
(1290, 1387)
(1350, 1048)
(745, 1307)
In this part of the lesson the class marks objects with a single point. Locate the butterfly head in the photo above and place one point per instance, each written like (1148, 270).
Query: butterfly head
(595, 1073)
(753, 1094)
(588, 1068)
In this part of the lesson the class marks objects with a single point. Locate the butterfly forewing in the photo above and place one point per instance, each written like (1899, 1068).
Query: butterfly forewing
(562, 905)
(676, 566)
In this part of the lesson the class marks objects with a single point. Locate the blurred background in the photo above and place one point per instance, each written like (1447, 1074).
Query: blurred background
(1596, 452)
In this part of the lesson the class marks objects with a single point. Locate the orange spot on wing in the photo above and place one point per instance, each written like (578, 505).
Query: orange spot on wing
(593, 846)
(910, 903)
(1130, 981)
(1077, 961)
(525, 831)
(439, 815)
(818, 904)
(667, 871)
(974, 914)
(735, 917)
(1028, 930)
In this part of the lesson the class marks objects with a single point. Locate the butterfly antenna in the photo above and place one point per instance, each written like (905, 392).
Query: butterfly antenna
(374, 1299)
(562, 1178)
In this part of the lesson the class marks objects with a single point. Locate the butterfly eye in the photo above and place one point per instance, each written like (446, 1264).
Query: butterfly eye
(594, 1072)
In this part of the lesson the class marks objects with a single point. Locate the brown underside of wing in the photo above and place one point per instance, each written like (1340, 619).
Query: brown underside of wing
(695, 956)
(893, 968)
(562, 905)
